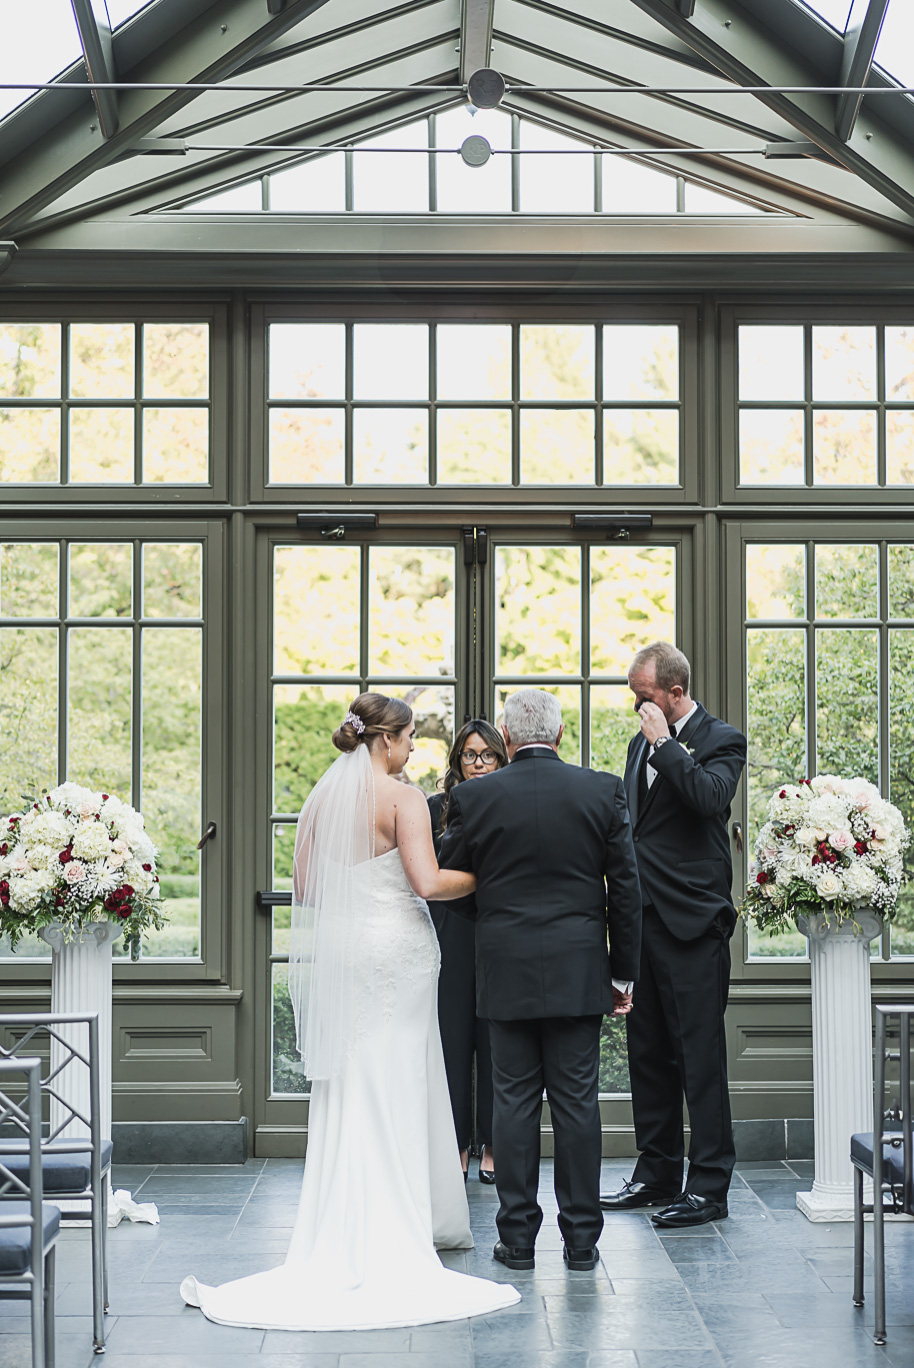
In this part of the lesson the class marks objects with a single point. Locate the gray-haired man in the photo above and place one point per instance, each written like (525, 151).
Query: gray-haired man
(551, 847)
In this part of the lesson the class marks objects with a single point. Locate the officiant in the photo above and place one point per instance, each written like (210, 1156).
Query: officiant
(478, 749)
(681, 775)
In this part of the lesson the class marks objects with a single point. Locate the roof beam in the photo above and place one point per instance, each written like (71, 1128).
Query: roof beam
(475, 36)
(95, 36)
(746, 51)
(210, 48)
(860, 39)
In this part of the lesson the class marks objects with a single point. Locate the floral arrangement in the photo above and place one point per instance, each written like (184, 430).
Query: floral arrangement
(829, 845)
(75, 857)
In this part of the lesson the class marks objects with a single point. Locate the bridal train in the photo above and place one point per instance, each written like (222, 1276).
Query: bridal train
(383, 1187)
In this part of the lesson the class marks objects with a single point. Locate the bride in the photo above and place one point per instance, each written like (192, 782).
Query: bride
(383, 1185)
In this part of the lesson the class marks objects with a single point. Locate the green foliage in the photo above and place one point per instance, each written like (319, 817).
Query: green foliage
(613, 1056)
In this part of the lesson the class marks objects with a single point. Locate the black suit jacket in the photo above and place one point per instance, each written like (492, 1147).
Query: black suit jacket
(551, 847)
(680, 830)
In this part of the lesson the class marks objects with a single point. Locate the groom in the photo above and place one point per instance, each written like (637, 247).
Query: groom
(551, 847)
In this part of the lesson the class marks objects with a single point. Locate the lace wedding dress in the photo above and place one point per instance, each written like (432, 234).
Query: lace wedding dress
(383, 1186)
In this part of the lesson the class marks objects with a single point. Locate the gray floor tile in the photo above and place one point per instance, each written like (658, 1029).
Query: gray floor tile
(184, 1334)
(73, 1351)
(622, 1325)
(117, 1360)
(336, 1341)
(448, 1358)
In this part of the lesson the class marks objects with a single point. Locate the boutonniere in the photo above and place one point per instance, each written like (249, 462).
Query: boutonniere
(690, 750)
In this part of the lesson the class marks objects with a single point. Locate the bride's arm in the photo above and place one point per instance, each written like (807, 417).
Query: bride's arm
(414, 840)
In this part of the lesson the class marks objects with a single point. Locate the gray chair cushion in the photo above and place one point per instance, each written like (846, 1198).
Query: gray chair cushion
(892, 1157)
(16, 1241)
(61, 1173)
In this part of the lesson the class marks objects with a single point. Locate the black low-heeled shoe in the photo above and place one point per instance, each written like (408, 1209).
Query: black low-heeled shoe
(488, 1179)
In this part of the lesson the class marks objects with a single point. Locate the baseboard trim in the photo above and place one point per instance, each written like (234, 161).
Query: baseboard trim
(180, 1142)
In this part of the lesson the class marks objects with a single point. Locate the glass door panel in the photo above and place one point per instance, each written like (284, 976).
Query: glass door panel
(345, 618)
(568, 618)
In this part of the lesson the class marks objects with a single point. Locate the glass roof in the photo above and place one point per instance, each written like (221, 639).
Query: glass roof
(836, 12)
(119, 11)
(40, 40)
(895, 49)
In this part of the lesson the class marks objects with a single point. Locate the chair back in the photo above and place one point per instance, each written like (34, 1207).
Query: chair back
(891, 1022)
(20, 1123)
(75, 1125)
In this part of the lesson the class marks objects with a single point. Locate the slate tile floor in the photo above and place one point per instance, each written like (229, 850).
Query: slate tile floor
(764, 1289)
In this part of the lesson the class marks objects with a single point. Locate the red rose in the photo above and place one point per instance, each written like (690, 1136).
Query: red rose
(4, 899)
(65, 856)
(104, 797)
(123, 913)
(110, 903)
(4, 848)
(147, 867)
(783, 793)
(860, 847)
(128, 890)
(816, 860)
(59, 901)
(762, 878)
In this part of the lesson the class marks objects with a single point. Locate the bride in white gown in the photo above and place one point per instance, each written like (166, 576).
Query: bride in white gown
(383, 1184)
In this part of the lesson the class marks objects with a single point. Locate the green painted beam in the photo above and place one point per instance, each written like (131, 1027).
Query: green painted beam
(95, 37)
(208, 49)
(746, 51)
(475, 36)
(861, 36)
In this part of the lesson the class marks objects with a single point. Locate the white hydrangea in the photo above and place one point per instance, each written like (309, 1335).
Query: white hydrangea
(91, 841)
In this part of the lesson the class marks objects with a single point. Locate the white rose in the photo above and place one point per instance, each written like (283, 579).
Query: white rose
(806, 836)
(74, 872)
(829, 885)
(840, 840)
(115, 859)
(91, 842)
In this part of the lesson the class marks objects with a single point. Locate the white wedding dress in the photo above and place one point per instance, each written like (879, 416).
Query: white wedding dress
(383, 1186)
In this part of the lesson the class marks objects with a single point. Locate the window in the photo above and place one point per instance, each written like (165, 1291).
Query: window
(531, 404)
(104, 403)
(830, 659)
(417, 169)
(826, 405)
(101, 676)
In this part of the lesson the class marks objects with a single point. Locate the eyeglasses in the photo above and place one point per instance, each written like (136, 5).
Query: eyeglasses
(488, 757)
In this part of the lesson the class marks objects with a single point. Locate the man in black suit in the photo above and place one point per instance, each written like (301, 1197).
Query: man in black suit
(681, 775)
(551, 847)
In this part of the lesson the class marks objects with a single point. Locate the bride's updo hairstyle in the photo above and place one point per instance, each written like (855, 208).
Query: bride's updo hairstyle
(378, 714)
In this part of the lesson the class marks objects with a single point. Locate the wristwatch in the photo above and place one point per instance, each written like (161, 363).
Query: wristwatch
(661, 740)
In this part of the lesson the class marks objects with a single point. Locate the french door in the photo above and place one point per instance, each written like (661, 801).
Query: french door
(452, 617)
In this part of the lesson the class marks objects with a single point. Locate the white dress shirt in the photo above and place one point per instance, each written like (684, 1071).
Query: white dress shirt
(675, 730)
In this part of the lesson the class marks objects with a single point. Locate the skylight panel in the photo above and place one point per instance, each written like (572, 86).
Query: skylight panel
(119, 11)
(40, 41)
(834, 12)
(895, 49)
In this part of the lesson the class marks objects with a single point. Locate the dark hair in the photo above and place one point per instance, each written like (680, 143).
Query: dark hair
(379, 714)
(454, 774)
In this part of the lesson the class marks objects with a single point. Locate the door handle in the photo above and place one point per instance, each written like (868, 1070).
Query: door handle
(738, 837)
(208, 835)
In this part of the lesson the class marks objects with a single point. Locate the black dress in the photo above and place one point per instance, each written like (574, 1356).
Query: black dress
(463, 1033)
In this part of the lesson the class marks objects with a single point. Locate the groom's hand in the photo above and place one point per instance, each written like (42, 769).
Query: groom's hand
(622, 1003)
(653, 722)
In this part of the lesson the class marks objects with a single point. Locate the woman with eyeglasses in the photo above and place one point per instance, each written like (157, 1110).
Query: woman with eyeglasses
(478, 750)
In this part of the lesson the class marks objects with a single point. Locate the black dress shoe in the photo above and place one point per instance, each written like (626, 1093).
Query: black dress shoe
(488, 1179)
(514, 1256)
(690, 1210)
(581, 1260)
(633, 1195)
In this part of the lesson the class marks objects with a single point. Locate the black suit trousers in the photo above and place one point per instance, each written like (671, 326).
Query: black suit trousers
(463, 1033)
(676, 1048)
(562, 1055)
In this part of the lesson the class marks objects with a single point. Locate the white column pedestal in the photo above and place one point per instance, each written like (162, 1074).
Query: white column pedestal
(81, 983)
(842, 1050)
